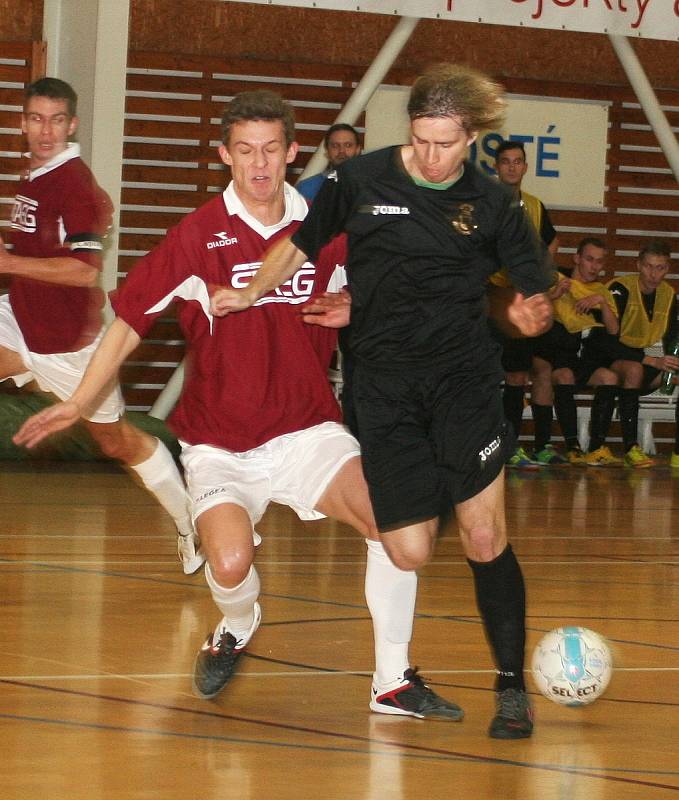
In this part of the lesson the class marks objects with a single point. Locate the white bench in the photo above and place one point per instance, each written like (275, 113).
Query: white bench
(653, 408)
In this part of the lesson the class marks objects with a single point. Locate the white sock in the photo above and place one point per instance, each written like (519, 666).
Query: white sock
(390, 593)
(160, 476)
(237, 604)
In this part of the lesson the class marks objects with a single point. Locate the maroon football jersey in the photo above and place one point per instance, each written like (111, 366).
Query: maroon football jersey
(59, 210)
(252, 375)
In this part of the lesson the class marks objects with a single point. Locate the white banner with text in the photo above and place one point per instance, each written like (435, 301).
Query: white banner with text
(652, 19)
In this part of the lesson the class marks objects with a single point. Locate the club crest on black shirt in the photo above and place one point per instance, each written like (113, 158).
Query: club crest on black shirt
(464, 221)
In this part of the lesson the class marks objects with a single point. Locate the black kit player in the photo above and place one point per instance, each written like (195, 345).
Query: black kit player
(426, 230)
(51, 319)
(257, 419)
(517, 355)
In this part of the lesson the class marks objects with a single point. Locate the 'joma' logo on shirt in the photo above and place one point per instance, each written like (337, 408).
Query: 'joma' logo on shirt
(489, 449)
(387, 210)
(223, 239)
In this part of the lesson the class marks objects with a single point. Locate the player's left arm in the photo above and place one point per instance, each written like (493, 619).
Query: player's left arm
(609, 314)
(280, 263)
(667, 362)
(548, 232)
(118, 342)
(604, 304)
(64, 270)
(531, 270)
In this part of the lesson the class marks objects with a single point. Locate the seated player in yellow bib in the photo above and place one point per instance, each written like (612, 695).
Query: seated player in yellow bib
(647, 309)
(581, 304)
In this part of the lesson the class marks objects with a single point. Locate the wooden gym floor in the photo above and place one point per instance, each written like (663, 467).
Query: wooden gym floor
(100, 628)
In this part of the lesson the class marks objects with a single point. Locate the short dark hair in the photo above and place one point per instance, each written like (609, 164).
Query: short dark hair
(656, 247)
(340, 126)
(595, 241)
(261, 104)
(452, 90)
(55, 89)
(508, 144)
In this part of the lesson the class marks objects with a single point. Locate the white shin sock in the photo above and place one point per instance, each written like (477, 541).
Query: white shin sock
(160, 476)
(390, 594)
(237, 604)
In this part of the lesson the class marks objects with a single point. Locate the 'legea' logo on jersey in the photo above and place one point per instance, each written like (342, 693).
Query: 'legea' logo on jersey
(223, 240)
(296, 290)
(23, 214)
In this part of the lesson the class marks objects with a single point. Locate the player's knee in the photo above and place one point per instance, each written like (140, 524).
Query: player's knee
(483, 542)
(608, 378)
(109, 442)
(229, 568)
(517, 378)
(122, 442)
(367, 527)
(563, 377)
(633, 376)
(410, 554)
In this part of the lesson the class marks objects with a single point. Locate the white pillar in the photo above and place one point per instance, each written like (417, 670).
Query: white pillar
(87, 44)
(648, 100)
(366, 87)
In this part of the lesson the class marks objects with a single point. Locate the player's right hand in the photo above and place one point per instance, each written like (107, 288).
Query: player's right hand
(531, 315)
(329, 310)
(225, 300)
(50, 420)
(668, 363)
(586, 304)
(560, 289)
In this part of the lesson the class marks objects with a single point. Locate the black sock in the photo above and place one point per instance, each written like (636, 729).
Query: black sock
(603, 406)
(542, 419)
(628, 402)
(512, 402)
(501, 598)
(567, 413)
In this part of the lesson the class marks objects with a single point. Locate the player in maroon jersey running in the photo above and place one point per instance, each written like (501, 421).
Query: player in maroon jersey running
(51, 320)
(257, 419)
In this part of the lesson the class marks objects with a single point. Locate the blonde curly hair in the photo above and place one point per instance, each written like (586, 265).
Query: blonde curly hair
(453, 90)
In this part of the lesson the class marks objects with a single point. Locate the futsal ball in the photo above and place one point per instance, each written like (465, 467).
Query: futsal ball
(572, 666)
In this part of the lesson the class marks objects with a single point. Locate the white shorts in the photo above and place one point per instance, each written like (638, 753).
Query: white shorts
(58, 373)
(294, 470)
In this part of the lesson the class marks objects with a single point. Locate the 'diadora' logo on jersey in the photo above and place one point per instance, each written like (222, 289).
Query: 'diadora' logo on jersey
(223, 240)
(296, 290)
(23, 214)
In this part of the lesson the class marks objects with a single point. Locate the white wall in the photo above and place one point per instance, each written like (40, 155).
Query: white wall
(87, 44)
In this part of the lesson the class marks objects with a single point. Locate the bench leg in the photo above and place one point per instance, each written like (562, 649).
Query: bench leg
(646, 440)
(583, 427)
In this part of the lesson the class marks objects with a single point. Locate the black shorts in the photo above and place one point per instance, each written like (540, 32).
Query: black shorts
(650, 374)
(428, 441)
(564, 350)
(559, 347)
(602, 349)
(517, 354)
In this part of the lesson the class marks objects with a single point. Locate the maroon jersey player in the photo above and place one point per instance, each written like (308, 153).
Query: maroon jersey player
(51, 320)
